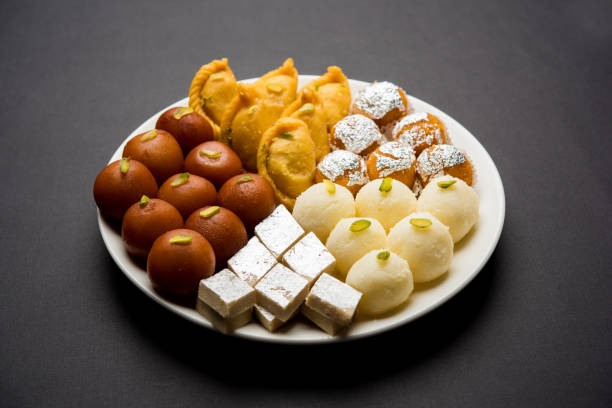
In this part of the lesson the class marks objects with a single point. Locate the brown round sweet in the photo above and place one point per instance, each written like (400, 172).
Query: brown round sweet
(189, 195)
(392, 159)
(420, 130)
(214, 161)
(222, 228)
(114, 191)
(345, 168)
(443, 159)
(249, 196)
(158, 150)
(188, 127)
(177, 268)
(146, 220)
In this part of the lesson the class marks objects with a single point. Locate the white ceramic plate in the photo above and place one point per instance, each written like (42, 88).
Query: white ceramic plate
(470, 255)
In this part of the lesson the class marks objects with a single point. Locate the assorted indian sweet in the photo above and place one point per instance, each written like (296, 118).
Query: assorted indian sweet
(385, 200)
(319, 208)
(255, 109)
(420, 130)
(215, 161)
(287, 159)
(212, 90)
(352, 238)
(158, 150)
(383, 102)
(452, 202)
(423, 241)
(357, 134)
(188, 192)
(395, 160)
(188, 127)
(345, 168)
(120, 185)
(328, 228)
(443, 159)
(146, 220)
(385, 280)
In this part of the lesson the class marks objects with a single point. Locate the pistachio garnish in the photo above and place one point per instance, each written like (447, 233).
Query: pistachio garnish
(383, 255)
(446, 183)
(360, 225)
(316, 87)
(181, 239)
(151, 134)
(124, 165)
(205, 100)
(210, 211)
(420, 223)
(329, 186)
(285, 135)
(276, 88)
(210, 154)
(385, 186)
(215, 76)
(144, 200)
(252, 109)
(182, 111)
(180, 180)
(244, 179)
(306, 108)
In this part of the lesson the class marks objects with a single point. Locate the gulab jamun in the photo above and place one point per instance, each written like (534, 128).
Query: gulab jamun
(249, 196)
(222, 228)
(188, 127)
(188, 192)
(179, 259)
(146, 220)
(158, 150)
(121, 184)
(214, 161)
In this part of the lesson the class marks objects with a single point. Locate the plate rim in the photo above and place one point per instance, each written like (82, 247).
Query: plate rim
(272, 337)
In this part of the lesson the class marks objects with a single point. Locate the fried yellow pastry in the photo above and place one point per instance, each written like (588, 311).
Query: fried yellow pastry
(255, 109)
(286, 158)
(212, 90)
(335, 93)
(308, 107)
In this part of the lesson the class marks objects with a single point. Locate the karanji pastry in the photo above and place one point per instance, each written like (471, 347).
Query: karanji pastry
(255, 109)
(212, 90)
(286, 158)
(334, 90)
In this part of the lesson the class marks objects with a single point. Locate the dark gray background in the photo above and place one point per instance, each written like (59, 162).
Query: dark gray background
(532, 80)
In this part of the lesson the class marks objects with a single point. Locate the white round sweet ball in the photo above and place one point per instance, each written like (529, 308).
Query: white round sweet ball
(385, 282)
(318, 210)
(388, 207)
(455, 205)
(428, 249)
(348, 246)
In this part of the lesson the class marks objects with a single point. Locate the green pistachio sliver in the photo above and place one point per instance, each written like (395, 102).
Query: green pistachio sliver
(329, 186)
(182, 111)
(181, 239)
(420, 223)
(210, 154)
(144, 200)
(383, 255)
(446, 183)
(386, 185)
(124, 165)
(150, 135)
(360, 225)
(244, 179)
(306, 108)
(285, 135)
(275, 88)
(252, 109)
(180, 180)
(316, 87)
(210, 211)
